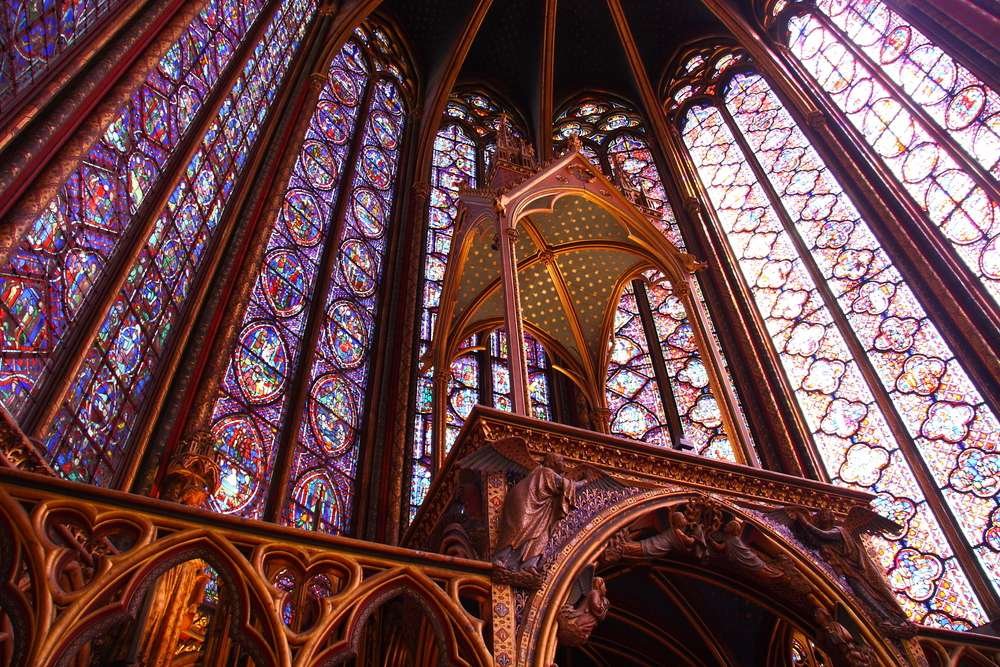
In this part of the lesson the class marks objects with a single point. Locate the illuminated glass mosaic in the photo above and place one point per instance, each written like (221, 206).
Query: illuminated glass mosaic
(92, 426)
(359, 108)
(251, 389)
(931, 121)
(64, 254)
(37, 32)
(811, 261)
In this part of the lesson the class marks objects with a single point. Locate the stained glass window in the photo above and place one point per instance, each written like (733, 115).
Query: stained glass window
(336, 213)
(876, 383)
(36, 33)
(250, 409)
(538, 370)
(60, 260)
(930, 120)
(613, 137)
(633, 396)
(462, 153)
(106, 395)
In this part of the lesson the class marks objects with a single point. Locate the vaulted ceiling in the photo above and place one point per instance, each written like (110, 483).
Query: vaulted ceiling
(508, 48)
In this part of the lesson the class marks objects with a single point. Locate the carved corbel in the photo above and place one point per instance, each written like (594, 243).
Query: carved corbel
(194, 473)
(586, 605)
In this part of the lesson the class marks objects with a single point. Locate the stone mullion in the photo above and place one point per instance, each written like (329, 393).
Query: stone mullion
(298, 386)
(374, 478)
(41, 145)
(660, 373)
(935, 499)
(967, 317)
(51, 389)
(188, 402)
(779, 428)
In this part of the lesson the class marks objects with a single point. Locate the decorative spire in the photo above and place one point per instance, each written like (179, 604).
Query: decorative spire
(627, 188)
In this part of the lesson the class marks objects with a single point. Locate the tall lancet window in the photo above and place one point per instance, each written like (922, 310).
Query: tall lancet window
(658, 383)
(95, 288)
(309, 327)
(463, 150)
(890, 408)
(931, 120)
(38, 32)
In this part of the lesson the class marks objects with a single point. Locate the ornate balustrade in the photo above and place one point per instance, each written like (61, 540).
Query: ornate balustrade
(80, 566)
(496, 573)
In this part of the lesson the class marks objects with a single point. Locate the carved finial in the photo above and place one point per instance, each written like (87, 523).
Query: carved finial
(573, 144)
(194, 473)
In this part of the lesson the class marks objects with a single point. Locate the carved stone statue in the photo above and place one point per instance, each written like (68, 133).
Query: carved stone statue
(531, 509)
(193, 474)
(740, 554)
(672, 540)
(844, 550)
(854, 653)
(586, 606)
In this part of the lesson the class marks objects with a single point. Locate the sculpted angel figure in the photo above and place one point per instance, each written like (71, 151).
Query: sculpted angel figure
(740, 553)
(530, 511)
(674, 538)
(586, 606)
(844, 549)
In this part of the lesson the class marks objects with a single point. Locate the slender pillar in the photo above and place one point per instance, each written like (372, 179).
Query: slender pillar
(512, 318)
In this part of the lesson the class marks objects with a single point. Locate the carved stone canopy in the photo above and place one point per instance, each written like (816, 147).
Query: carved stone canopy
(577, 242)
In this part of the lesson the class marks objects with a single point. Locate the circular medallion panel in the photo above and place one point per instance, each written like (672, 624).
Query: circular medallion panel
(261, 363)
(376, 167)
(369, 211)
(359, 266)
(332, 413)
(242, 463)
(302, 215)
(284, 283)
(347, 335)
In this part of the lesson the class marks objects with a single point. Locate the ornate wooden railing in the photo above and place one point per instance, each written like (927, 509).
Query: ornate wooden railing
(79, 565)
(95, 576)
